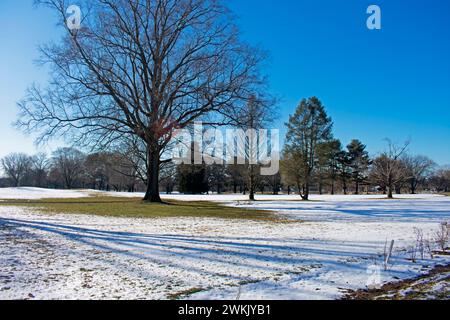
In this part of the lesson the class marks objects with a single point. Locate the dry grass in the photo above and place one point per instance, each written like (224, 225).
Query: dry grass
(433, 286)
(131, 207)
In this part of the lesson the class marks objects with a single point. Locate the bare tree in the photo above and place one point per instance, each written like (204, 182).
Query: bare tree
(418, 168)
(236, 174)
(40, 165)
(16, 166)
(144, 69)
(440, 180)
(69, 164)
(443, 235)
(253, 116)
(388, 169)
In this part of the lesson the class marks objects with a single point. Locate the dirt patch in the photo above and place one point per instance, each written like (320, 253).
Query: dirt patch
(433, 286)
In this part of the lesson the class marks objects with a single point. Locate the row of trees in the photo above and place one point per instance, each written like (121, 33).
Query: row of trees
(69, 168)
(313, 156)
(335, 170)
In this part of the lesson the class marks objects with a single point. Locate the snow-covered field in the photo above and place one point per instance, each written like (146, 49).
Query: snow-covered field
(38, 193)
(335, 245)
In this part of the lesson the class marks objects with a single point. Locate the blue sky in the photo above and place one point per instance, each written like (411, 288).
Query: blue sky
(376, 84)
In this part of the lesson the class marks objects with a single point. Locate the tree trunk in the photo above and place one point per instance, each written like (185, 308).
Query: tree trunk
(390, 193)
(305, 195)
(276, 191)
(356, 186)
(252, 184)
(413, 188)
(152, 194)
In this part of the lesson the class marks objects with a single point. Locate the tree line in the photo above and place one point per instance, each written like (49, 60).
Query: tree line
(69, 168)
(313, 160)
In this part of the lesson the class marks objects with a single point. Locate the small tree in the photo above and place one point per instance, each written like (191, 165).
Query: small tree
(388, 169)
(40, 166)
(255, 115)
(418, 168)
(443, 236)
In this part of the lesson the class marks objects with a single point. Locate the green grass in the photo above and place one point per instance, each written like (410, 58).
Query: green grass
(131, 207)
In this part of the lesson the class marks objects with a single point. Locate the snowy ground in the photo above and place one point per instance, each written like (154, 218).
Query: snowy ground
(334, 247)
(38, 193)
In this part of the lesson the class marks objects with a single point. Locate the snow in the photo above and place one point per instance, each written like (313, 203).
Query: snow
(38, 193)
(329, 248)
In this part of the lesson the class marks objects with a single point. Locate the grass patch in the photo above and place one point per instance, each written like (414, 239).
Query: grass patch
(132, 207)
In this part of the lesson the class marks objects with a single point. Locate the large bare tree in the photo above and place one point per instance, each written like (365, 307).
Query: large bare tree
(141, 68)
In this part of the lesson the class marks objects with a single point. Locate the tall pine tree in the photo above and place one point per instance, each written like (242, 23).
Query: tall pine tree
(309, 127)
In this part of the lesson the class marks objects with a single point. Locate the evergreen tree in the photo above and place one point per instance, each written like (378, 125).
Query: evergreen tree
(359, 162)
(344, 169)
(309, 127)
(328, 163)
(192, 179)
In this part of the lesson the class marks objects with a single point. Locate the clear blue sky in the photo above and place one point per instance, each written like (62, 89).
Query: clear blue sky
(391, 83)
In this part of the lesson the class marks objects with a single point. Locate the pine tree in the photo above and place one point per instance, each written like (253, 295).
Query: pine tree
(307, 129)
(359, 162)
(328, 163)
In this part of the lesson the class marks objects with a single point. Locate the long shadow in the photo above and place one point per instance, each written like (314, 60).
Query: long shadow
(421, 210)
(147, 247)
(251, 257)
(144, 239)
